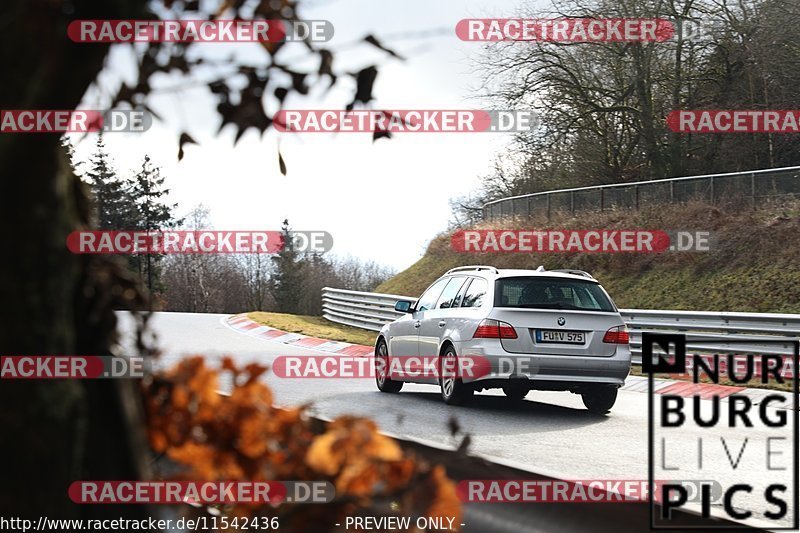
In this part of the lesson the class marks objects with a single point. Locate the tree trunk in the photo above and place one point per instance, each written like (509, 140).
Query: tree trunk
(55, 432)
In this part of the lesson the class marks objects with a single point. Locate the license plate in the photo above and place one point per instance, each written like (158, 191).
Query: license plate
(560, 336)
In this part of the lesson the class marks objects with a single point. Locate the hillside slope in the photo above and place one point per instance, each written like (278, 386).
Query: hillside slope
(752, 265)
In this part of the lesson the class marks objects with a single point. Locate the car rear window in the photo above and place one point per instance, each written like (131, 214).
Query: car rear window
(551, 293)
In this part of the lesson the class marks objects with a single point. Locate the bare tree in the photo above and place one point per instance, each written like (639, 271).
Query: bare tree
(602, 106)
(359, 275)
(257, 269)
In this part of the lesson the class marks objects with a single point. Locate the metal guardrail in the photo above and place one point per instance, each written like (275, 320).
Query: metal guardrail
(716, 330)
(755, 186)
(365, 310)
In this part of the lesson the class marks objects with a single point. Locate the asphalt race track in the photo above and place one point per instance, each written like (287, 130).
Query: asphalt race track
(550, 433)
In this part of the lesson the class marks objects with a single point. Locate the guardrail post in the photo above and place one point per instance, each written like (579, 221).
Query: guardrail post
(753, 188)
(572, 202)
(529, 207)
(548, 207)
(672, 192)
(636, 194)
(712, 189)
(602, 198)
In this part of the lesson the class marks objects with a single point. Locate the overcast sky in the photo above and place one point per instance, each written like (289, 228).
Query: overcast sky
(382, 201)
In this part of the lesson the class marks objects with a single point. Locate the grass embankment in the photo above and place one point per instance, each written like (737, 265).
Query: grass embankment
(314, 326)
(752, 265)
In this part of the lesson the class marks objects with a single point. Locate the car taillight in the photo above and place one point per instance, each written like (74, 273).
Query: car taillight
(494, 329)
(617, 335)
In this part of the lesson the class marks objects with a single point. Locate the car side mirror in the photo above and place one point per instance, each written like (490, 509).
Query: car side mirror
(403, 306)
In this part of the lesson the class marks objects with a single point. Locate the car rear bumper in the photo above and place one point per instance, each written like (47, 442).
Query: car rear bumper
(563, 369)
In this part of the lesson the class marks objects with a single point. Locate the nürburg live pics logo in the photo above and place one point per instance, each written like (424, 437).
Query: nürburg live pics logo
(732, 420)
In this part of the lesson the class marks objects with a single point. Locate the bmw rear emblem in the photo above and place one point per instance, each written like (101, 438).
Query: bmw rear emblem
(561, 321)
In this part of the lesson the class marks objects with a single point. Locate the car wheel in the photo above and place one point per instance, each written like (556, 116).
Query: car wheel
(381, 369)
(454, 391)
(600, 399)
(515, 393)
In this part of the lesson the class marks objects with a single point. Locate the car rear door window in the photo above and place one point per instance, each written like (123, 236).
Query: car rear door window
(450, 292)
(460, 296)
(475, 294)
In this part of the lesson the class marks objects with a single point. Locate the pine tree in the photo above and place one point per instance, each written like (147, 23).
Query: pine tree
(147, 191)
(112, 203)
(151, 213)
(287, 280)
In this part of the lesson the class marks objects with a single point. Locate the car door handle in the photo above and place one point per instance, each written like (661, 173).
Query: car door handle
(417, 324)
(442, 324)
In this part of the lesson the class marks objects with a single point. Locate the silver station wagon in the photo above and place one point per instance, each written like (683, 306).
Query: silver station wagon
(555, 330)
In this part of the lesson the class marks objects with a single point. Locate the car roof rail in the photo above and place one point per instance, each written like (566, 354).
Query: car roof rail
(574, 272)
(472, 267)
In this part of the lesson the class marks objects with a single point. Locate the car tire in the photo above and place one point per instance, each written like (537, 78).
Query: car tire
(515, 393)
(454, 390)
(382, 381)
(599, 399)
